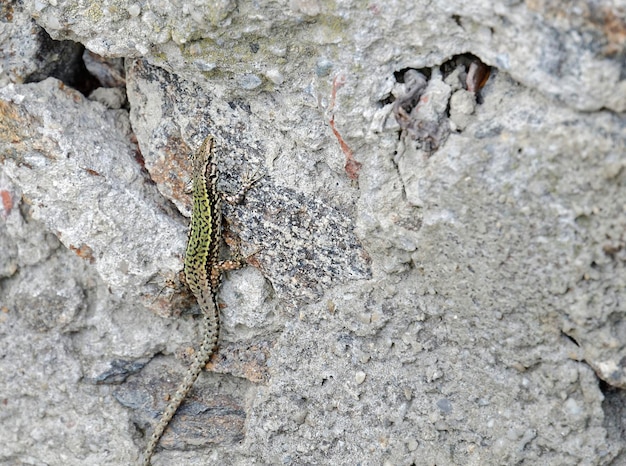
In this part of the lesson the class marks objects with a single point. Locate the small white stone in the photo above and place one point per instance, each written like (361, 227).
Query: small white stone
(249, 81)
(572, 407)
(142, 49)
(359, 377)
(278, 50)
(275, 76)
(134, 10)
(165, 35)
(53, 23)
(204, 66)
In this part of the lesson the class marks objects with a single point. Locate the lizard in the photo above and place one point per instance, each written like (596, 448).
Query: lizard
(202, 270)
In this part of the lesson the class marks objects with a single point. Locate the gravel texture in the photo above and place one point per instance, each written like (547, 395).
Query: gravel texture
(438, 243)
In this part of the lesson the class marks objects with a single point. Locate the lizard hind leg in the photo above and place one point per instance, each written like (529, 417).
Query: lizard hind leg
(237, 261)
(172, 293)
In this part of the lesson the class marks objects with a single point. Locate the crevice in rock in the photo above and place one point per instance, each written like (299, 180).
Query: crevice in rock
(62, 59)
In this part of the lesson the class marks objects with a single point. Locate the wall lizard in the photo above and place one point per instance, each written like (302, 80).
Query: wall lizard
(202, 270)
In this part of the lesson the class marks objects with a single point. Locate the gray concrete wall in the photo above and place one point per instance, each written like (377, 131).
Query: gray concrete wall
(439, 275)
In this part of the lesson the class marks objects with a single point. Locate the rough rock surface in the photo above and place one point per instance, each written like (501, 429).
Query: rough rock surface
(440, 234)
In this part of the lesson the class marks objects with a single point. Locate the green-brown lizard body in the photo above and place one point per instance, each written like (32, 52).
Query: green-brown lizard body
(202, 271)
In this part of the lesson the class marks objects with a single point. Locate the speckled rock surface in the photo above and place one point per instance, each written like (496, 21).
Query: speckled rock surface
(574, 51)
(439, 233)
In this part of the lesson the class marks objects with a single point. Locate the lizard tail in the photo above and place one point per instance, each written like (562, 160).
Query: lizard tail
(208, 346)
